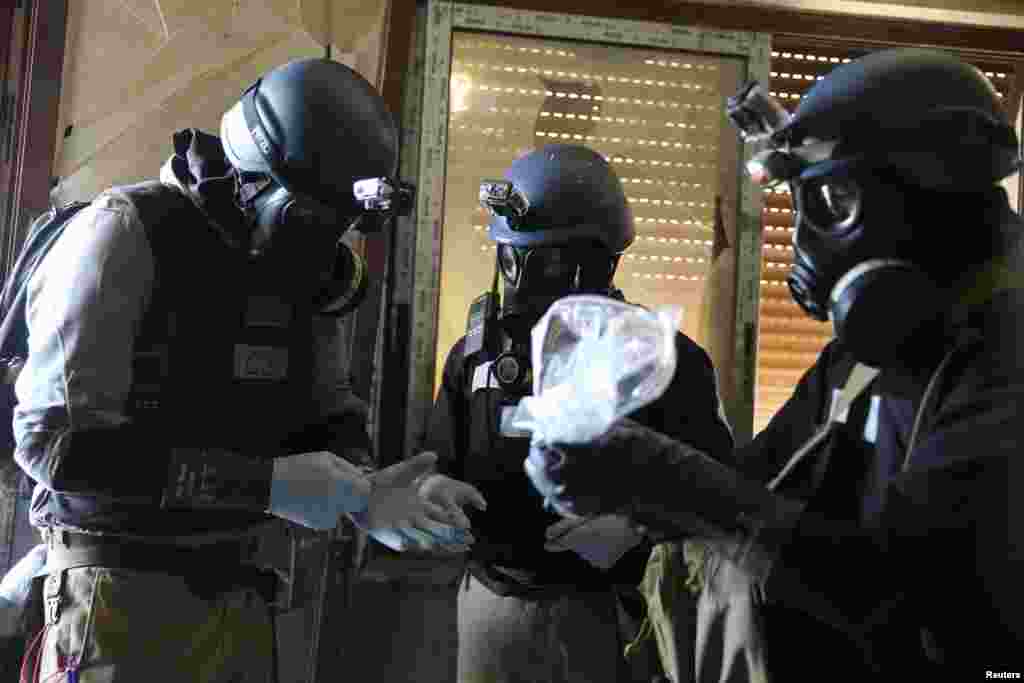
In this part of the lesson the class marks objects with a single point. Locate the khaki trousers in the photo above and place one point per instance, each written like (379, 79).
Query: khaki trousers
(572, 637)
(119, 625)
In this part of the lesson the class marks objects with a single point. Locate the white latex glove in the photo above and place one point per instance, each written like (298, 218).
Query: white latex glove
(315, 489)
(17, 582)
(398, 517)
(15, 588)
(442, 538)
(601, 541)
(451, 495)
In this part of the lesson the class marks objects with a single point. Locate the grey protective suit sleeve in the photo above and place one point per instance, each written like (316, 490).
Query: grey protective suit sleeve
(84, 307)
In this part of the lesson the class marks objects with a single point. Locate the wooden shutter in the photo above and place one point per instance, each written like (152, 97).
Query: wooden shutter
(655, 115)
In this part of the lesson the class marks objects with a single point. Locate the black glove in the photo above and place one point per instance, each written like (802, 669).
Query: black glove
(666, 486)
(598, 477)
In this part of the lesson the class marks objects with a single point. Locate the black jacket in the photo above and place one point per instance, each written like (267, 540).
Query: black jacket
(511, 533)
(921, 560)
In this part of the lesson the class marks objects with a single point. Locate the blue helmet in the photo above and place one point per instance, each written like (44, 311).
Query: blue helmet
(558, 195)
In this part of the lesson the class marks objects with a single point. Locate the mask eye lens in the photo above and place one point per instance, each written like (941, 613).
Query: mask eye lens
(508, 263)
(831, 205)
(841, 200)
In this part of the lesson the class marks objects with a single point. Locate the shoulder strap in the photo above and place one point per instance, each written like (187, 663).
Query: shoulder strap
(929, 400)
(41, 237)
(861, 376)
(156, 201)
(161, 208)
(477, 375)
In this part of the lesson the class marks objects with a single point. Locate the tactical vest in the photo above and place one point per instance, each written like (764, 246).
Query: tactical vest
(509, 555)
(223, 359)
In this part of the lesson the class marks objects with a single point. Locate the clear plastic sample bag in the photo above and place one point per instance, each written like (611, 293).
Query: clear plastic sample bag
(595, 360)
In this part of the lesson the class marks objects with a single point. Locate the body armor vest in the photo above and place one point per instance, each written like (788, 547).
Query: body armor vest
(223, 359)
(509, 554)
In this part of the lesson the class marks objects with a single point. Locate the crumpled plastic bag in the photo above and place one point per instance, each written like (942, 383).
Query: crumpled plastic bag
(595, 360)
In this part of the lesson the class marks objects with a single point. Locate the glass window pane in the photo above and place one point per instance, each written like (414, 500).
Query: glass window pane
(656, 115)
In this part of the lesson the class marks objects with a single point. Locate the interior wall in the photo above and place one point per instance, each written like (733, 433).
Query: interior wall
(136, 71)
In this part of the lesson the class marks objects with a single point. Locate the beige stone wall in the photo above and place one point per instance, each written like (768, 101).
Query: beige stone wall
(135, 71)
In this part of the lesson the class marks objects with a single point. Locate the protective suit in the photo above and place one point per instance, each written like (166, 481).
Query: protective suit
(869, 533)
(165, 406)
(531, 608)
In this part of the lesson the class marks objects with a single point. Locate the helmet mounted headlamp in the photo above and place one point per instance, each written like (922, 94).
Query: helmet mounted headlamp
(382, 199)
(502, 198)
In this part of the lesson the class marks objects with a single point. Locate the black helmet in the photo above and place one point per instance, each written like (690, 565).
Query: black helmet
(556, 195)
(316, 126)
(934, 119)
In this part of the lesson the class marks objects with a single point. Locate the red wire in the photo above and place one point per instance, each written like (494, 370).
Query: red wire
(62, 668)
(56, 673)
(28, 654)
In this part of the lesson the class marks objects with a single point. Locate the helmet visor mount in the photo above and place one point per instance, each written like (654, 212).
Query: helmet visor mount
(774, 166)
(825, 196)
(756, 114)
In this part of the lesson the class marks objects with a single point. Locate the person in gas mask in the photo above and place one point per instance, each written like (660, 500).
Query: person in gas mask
(541, 599)
(165, 408)
(868, 533)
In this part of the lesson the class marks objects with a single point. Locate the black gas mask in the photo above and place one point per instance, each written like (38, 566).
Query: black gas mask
(282, 221)
(536, 277)
(855, 244)
(856, 261)
(271, 210)
(533, 278)
(554, 262)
